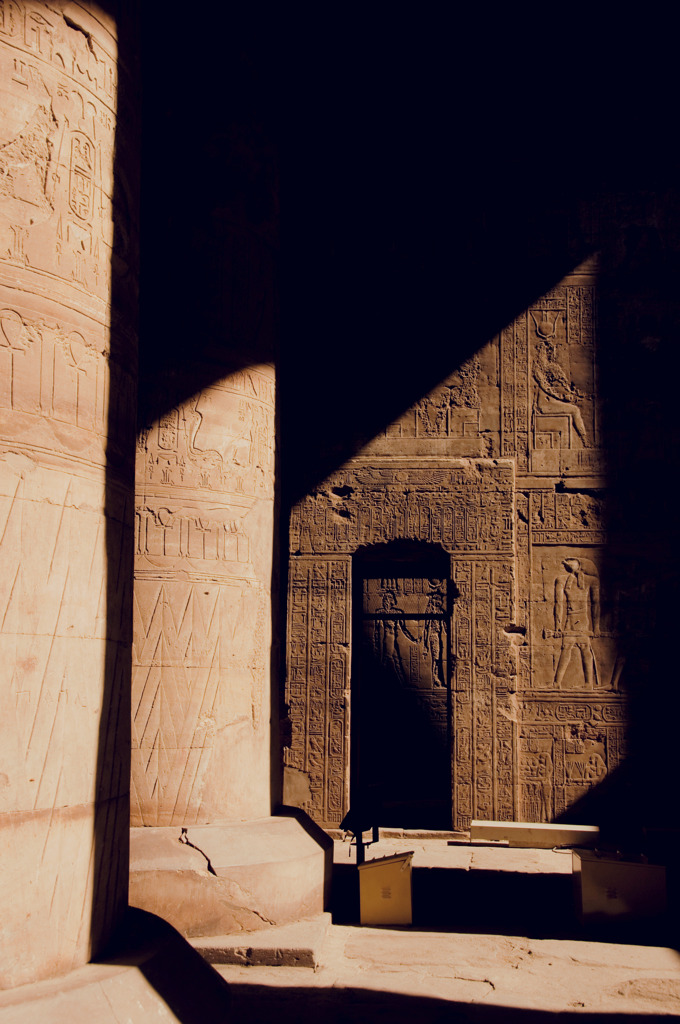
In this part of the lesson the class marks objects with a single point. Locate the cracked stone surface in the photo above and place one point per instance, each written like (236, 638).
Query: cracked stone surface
(235, 877)
(363, 975)
(381, 974)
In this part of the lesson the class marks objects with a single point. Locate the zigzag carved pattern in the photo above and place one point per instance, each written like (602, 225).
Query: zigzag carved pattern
(176, 669)
(61, 673)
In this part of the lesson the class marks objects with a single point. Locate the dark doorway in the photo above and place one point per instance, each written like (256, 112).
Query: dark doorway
(401, 668)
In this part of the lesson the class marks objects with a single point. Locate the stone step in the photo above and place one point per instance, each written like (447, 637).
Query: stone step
(289, 945)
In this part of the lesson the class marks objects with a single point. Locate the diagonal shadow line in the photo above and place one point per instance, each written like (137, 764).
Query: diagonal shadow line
(348, 409)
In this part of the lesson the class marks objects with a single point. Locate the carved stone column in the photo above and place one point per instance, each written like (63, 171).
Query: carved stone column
(202, 615)
(206, 852)
(67, 380)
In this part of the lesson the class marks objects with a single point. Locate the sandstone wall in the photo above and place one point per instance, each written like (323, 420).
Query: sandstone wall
(501, 466)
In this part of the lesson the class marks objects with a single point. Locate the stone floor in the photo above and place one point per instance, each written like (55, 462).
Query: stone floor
(371, 976)
(445, 970)
(376, 975)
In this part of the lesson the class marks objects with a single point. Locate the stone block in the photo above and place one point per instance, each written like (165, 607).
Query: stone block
(536, 835)
(290, 945)
(234, 877)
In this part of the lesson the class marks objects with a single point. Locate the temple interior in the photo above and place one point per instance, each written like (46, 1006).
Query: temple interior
(338, 449)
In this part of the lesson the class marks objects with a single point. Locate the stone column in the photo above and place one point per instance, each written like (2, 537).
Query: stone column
(67, 379)
(203, 564)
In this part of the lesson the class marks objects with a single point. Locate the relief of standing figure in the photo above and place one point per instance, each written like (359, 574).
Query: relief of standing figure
(577, 619)
(434, 637)
(387, 633)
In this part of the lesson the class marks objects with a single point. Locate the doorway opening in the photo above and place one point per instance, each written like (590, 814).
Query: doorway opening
(401, 693)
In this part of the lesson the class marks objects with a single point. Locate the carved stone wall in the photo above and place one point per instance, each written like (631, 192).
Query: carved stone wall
(514, 491)
(466, 509)
(203, 555)
(67, 417)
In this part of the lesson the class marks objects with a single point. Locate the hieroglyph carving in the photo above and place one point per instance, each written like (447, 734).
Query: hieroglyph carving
(395, 608)
(317, 690)
(573, 623)
(202, 576)
(572, 707)
(533, 631)
(464, 508)
(67, 420)
(56, 150)
(457, 418)
(577, 619)
(549, 407)
(564, 750)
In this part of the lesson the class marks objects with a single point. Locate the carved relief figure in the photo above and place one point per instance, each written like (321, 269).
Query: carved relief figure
(24, 162)
(585, 757)
(434, 636)
(435, 412)
(431, 412)
(555, 395)
(577, 619)
(387, 635)
(462, 385)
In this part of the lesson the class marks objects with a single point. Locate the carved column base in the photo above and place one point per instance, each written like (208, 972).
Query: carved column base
(239, 876)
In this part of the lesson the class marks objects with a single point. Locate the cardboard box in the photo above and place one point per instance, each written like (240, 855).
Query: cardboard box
(385, 895)
(610, 888)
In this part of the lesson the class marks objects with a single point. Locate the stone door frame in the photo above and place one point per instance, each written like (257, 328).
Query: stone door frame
(466, 507)
(393, 565)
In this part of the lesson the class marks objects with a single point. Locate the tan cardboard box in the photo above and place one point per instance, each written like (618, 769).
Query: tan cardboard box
(385, 890)
(607, 887)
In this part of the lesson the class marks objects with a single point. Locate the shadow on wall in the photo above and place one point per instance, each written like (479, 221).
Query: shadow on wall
(420, 232)
(415, 225)
(209, 274)
(639, 322)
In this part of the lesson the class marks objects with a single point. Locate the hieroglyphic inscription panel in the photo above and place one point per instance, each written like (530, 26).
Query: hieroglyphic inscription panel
(406, 626)
(56, 151)
(566, 746)
(318, 681)
(574, 712)
(486, 675)
(573, 729)
(464, 508)
(549, 409)
(569, 667)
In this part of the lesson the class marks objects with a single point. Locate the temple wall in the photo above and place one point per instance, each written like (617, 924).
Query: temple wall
(67, 413)
(501, 465)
